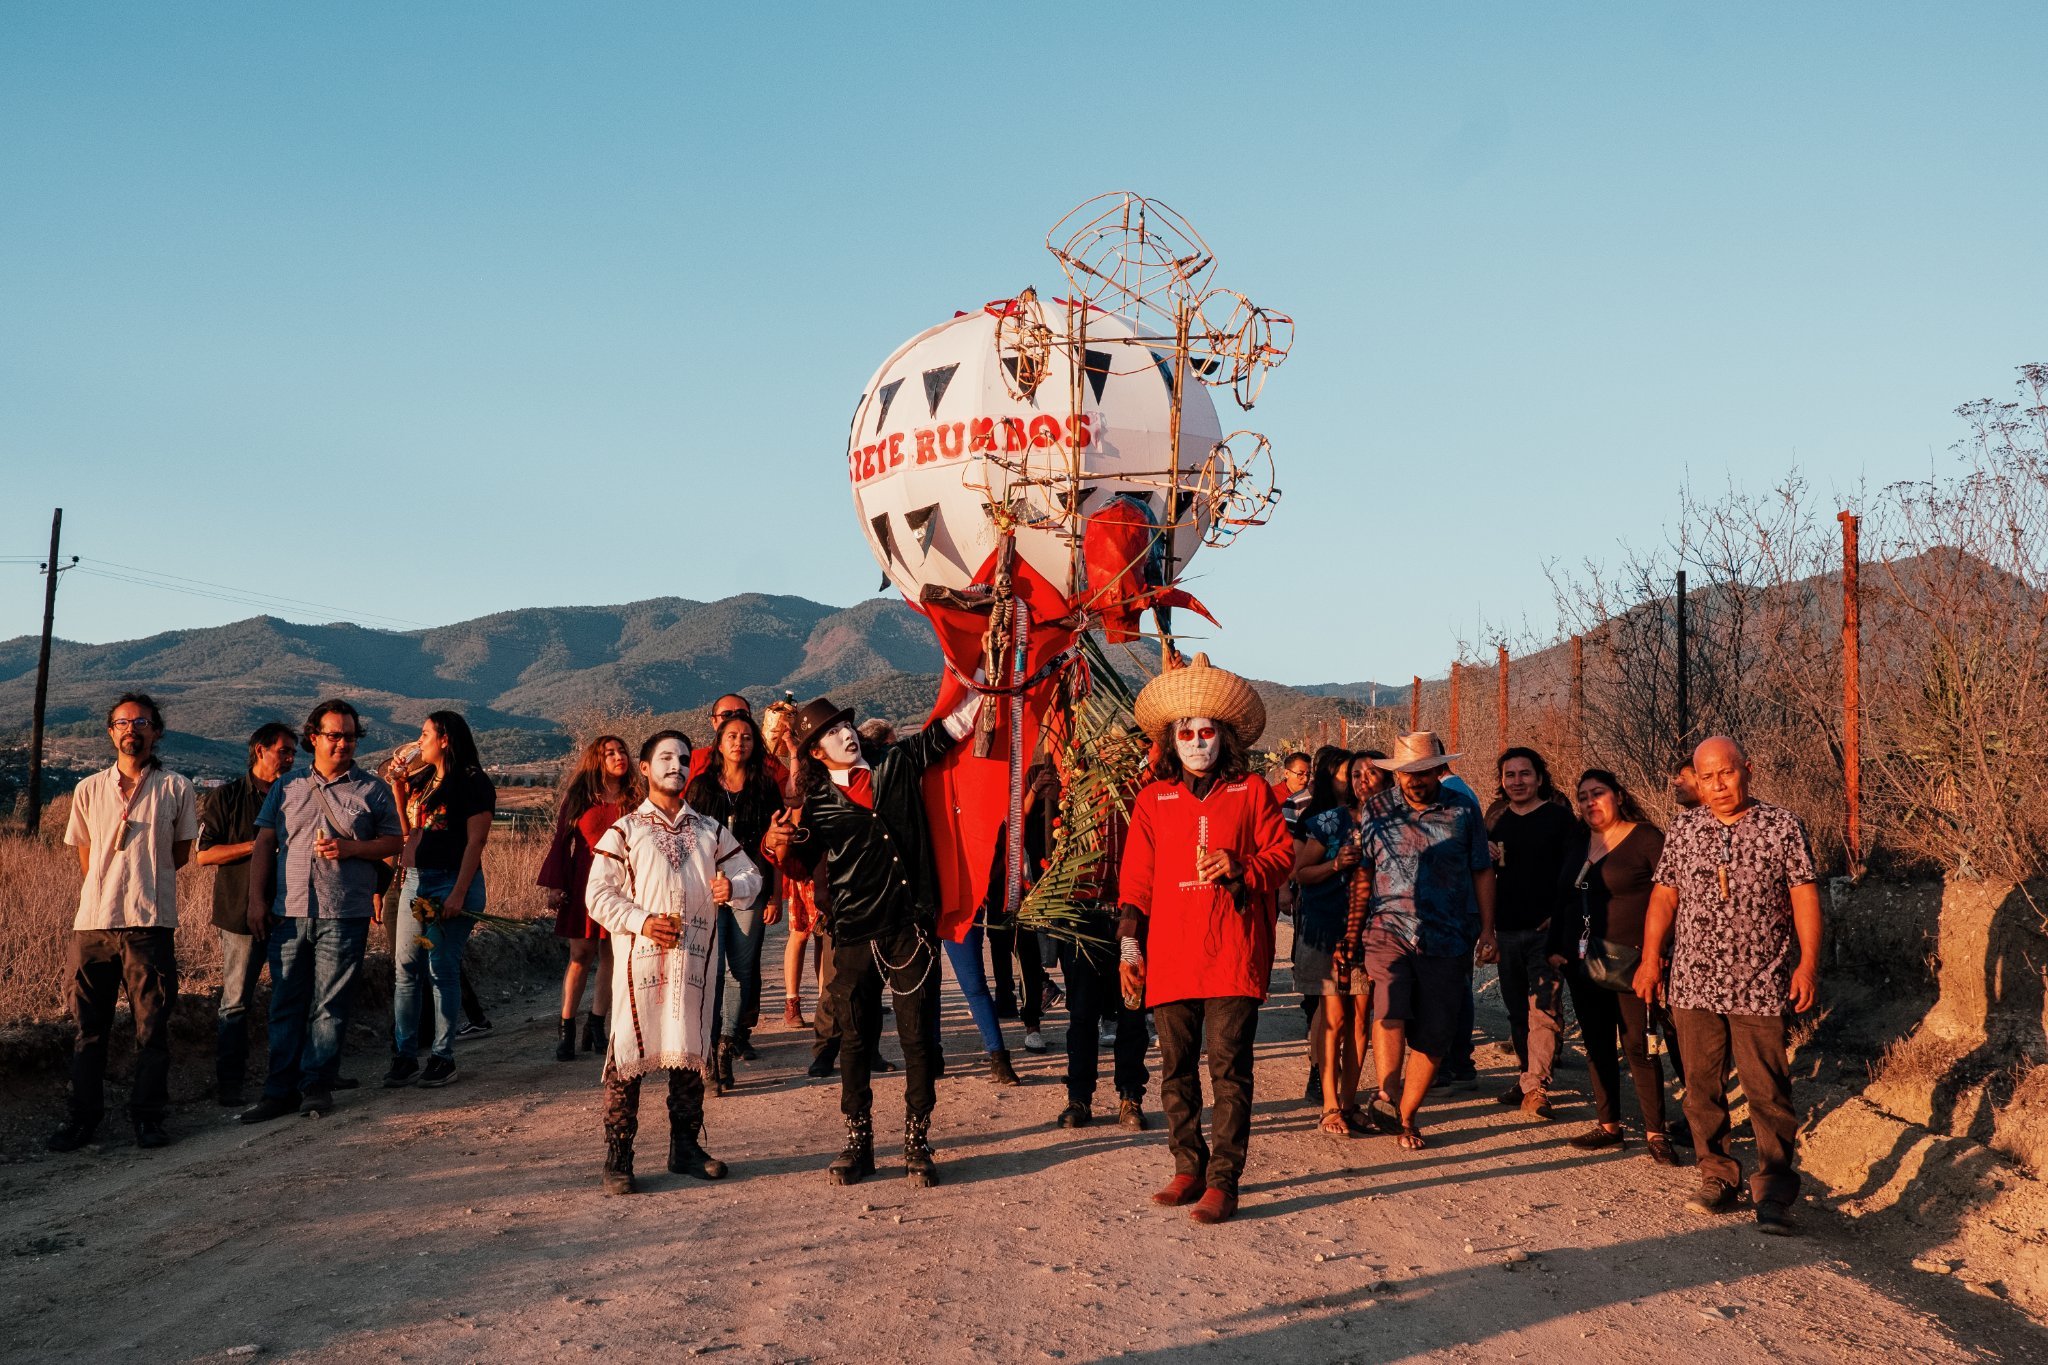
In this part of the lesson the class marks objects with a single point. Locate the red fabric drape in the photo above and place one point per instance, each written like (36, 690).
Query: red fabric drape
(966, 798)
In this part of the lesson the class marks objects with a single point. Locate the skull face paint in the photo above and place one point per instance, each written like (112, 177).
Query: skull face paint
(1196, 741)
(667, 770)
(839, 746)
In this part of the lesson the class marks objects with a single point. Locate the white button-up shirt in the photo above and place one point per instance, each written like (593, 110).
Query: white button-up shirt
(131, 882)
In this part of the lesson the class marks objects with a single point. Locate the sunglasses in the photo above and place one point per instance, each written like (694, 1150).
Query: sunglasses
(1187, 733)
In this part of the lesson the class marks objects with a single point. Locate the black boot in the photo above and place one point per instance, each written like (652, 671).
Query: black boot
(743, 1044)
(856, 1160)
(687, 1157)
(594, 1034)
(722, 1065)
(1315, 1084)
(565, 1042)
(999, 1069)
(918, 1167)
(618, 1166)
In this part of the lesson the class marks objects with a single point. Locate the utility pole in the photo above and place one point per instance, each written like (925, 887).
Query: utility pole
(1453, 743)
(35, 743)
(1503, 696)
(1852, 701)
(1684, 680)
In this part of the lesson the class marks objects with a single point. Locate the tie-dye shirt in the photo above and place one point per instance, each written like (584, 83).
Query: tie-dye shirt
(1423, 864)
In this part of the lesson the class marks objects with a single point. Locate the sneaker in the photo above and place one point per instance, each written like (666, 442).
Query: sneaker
(1075, 1116)
(404, 1070)
(1034, 1041)
(1131, 1114)
(318, 1103)
(1775, 1218)
(474, 1029)
(73, 1135)
(1596, 1139)
(1536, 1105)
(150, 1133)
(438, 1071)
(1714, 1196)
(270, 1107)
(1509, 1097)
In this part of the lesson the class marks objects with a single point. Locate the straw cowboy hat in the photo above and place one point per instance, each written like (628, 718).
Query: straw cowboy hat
(813, 720)
(1417, 753)
(1200, 690)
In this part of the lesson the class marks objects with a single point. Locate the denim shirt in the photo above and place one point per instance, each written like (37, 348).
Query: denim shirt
(355, 805)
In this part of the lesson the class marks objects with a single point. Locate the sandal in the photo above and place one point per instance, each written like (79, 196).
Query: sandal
(1411, 1138)
(1333, 1124)
(1359, 1122)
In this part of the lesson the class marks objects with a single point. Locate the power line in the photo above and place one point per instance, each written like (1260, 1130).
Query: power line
(222, 593)
(246, 593)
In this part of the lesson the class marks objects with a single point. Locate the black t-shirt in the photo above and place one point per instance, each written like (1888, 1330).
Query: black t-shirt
(1533, 849)
(1616, 897)
(443, 818)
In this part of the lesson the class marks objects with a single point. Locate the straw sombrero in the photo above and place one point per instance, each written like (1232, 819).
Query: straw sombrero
(1200, 690)
(1416, 753)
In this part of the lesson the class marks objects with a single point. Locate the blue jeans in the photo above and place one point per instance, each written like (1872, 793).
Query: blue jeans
(313, 966)
(965, 959)
(739, 941)
(241, 967)
(440, 965)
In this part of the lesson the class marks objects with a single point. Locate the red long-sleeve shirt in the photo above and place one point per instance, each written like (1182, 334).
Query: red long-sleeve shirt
(1198, 943)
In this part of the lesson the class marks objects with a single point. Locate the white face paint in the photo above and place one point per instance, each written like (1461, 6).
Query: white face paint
(668, 769)
(840, 746)
(1196, 741)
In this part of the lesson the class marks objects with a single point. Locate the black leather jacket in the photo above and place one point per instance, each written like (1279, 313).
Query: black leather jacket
(875, 865)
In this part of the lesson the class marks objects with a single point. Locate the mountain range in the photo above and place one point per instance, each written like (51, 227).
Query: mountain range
(526, 679)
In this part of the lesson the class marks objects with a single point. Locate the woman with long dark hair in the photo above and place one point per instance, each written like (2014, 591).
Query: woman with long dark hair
(1536, 843)
(604, 786)
(737, 792)
(796, 893)
(1596, 938)
(1326, 864)
(446, 821)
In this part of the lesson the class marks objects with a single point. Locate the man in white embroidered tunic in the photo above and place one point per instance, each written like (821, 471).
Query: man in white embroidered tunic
(660, 875)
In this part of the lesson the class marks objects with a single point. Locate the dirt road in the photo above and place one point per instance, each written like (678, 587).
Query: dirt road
(466, 1224)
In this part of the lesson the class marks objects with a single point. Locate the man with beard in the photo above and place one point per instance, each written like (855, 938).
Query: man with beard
(657, 882)
(861, 829)
(1206, 857)
(133, 825)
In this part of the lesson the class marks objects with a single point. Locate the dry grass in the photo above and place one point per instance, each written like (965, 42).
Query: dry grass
(39, 896)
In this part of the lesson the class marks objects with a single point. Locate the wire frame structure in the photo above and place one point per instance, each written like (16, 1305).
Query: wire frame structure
(1138, 259)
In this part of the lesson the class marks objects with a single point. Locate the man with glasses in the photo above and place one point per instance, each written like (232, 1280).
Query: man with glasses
(319, 840)
(1290, 789)
(227, 836)
(133, 825)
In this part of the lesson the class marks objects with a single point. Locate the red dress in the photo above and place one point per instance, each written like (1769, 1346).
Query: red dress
(1198, 944)
(567, 868)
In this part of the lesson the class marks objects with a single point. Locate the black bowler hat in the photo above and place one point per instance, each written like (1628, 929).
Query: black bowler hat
(815, 719)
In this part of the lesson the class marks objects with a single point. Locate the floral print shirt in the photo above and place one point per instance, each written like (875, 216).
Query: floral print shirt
(1733, 947)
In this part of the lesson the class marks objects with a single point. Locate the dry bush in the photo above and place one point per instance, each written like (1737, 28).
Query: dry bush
(39, 897)
(1957, 756)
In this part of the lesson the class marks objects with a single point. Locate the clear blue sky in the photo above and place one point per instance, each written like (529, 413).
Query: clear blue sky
(427, 311)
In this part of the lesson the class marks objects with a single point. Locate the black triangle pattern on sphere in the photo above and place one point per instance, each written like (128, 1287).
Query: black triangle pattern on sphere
(885, 537)
(887, 393)
(923, 522)
(1010, 364)
(935, 382)
(1096, 364)
(1165, 369)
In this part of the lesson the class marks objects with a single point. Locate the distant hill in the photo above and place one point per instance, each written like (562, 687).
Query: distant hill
(532, 670)
(524, 678)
